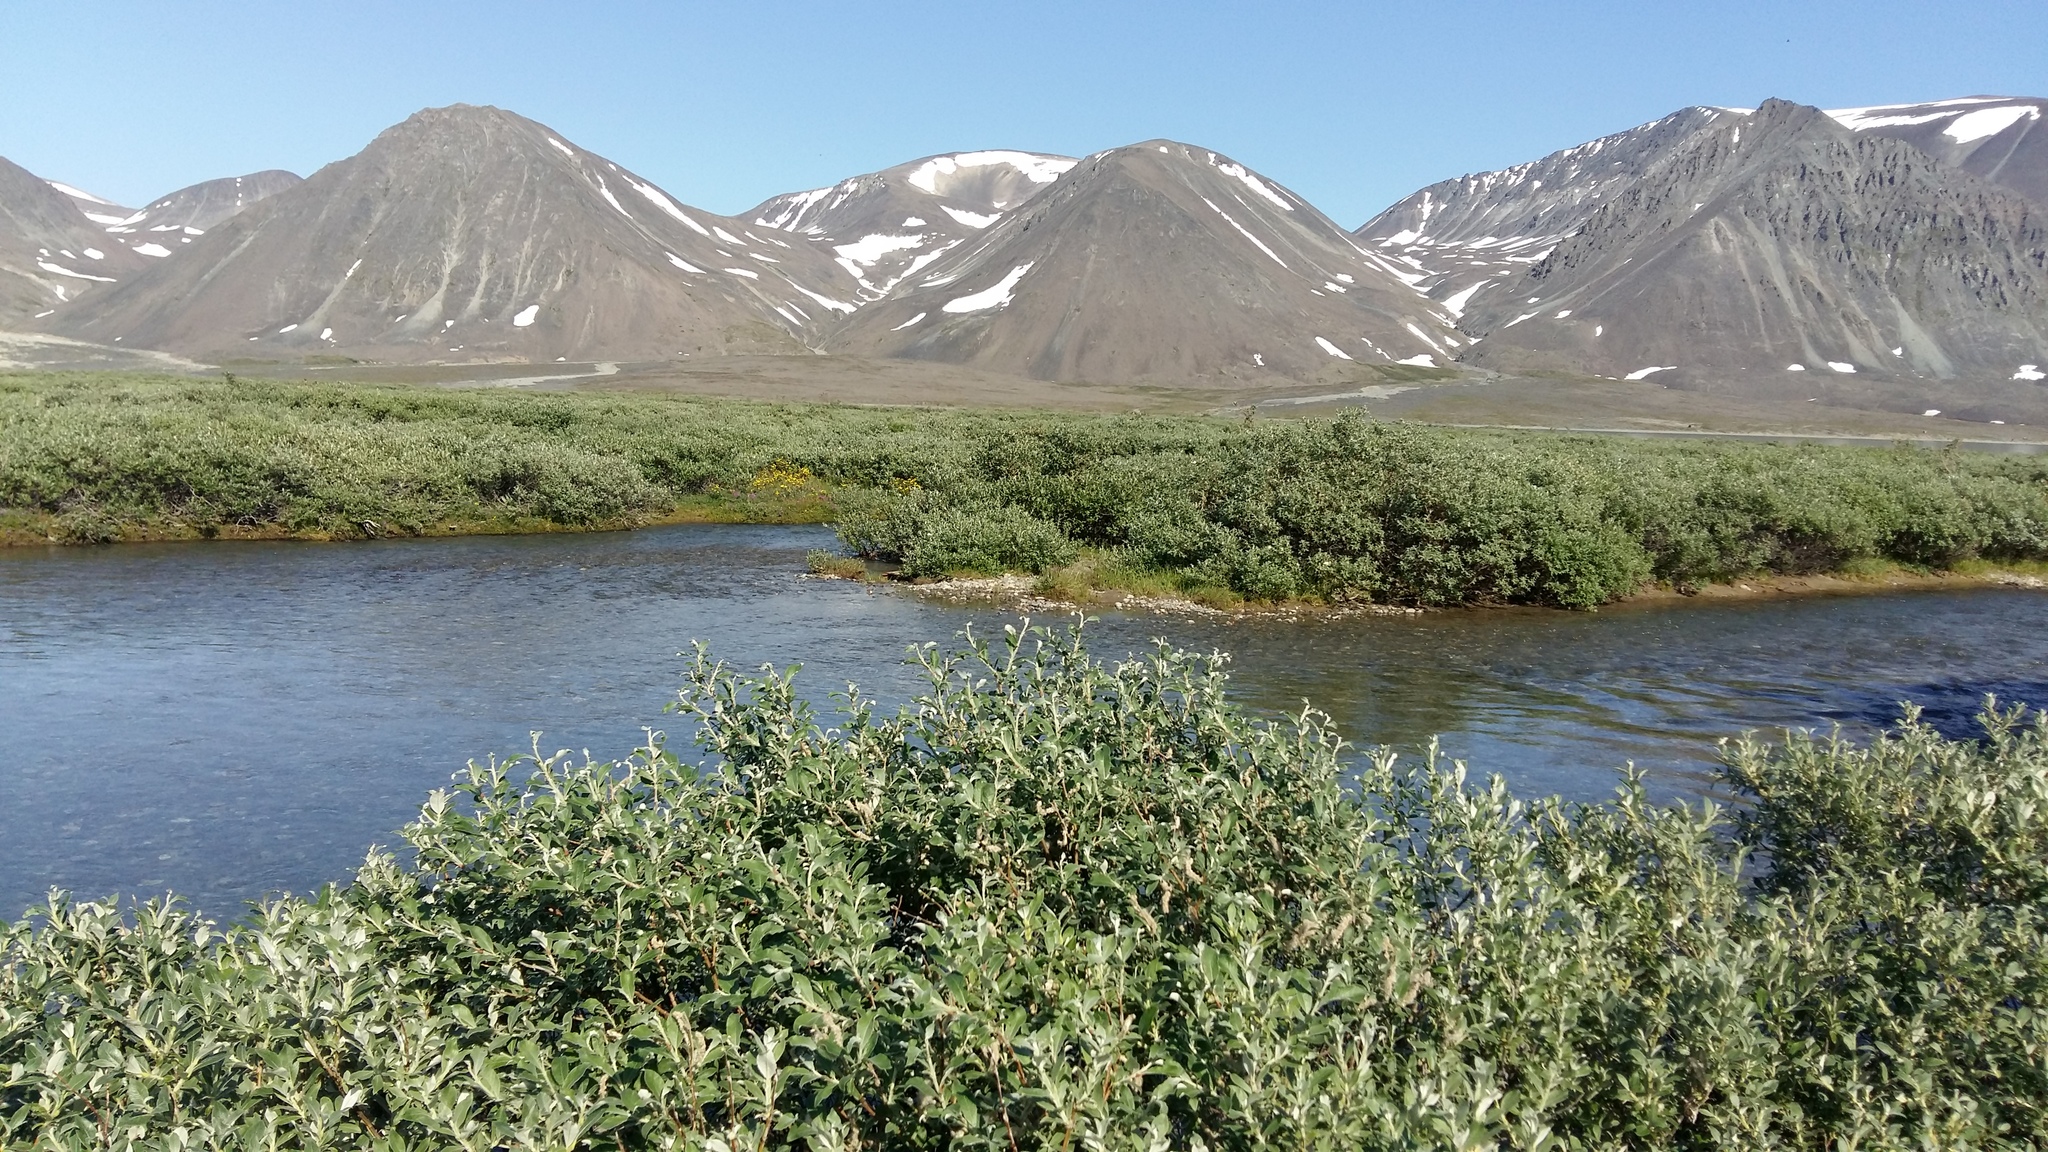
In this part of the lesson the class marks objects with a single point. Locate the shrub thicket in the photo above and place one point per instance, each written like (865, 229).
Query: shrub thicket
(1062, 905)
(1340, 509)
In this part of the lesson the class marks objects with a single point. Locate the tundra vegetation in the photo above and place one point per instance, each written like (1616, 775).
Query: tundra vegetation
(1333, 510)
(1061, 904)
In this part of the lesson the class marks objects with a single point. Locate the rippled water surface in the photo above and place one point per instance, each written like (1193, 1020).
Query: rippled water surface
(233, 719)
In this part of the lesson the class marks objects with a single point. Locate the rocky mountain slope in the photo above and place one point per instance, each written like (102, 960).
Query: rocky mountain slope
(1999, 138)
(1462, 237)
(1158, 261)
(51, 256)
(1715, 247)
(472, 233)
(1781, 243)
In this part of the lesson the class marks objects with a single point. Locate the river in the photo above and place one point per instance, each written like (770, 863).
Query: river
(227, 720)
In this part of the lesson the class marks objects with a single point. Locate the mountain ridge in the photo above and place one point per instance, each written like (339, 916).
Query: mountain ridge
(1805, 236)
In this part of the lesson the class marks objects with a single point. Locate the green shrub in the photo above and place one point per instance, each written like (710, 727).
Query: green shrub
(1340, 510)
(1061, 905)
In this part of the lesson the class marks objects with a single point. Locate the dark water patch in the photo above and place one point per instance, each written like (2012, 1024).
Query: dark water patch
(230, 719)
(1952, 707)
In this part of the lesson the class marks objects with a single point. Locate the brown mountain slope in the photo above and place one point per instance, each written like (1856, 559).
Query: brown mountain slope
(1779, 240)
(1162, 262)
(469, 233)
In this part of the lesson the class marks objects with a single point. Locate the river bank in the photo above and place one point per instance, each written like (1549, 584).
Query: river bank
(1066, 593)
(1338, 512)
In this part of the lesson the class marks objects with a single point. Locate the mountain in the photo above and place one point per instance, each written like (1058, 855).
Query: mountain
(1999, 138)
(96, 209)
(1779, 243)
(472, 233)
(191, 211)
(1460, 237)
(50, 254)
(884, 226)
(1158, 261)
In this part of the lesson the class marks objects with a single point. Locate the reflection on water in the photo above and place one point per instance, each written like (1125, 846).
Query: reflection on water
(231, 719)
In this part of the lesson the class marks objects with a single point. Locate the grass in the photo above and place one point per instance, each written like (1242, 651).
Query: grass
(1225, 511)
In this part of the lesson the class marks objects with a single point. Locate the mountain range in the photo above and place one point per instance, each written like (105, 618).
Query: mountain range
(1714, 248)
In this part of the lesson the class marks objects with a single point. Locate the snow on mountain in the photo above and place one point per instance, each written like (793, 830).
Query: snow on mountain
(1999, 138)
(1159, 261)
(884, 227)
(472, 233)
(1458, 239)
(51, 256)
(1782, 237)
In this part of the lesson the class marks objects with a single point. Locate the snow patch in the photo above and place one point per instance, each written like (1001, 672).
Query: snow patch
(1332, 349)
(1423, 361)
(1455, 303)
(287, 328)
(1644, 373)
(352, 268)
(1258, 361)
(1519, 319)
(869, 249)
(327, 333)
(1419, 334)
(909, 322)
(1899, 351)
(728, 237)
(1932, 412)
(1795, 367)
(2030, 372)
(685, 265)
(60, 270)
(827, 301)
(95, 254)
(1250, 181)
(611, 199)
(156, 250)
(971, 219)
(1247, 235)
(1988, 122)
(1843, 367)
(1335, 287)
(747, 272)
(996, 296)
(1037, 169)
(524, 316)
(913, 221)
(1563, 314)
(659, 199)
(564, 149)
(78, 193)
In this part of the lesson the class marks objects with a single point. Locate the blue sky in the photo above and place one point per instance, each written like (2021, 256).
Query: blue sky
(1352, 105)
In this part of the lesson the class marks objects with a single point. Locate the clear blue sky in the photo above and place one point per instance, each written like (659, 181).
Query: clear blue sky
(1351, 104)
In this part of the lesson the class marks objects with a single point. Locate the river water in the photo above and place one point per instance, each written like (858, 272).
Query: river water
(232, 719)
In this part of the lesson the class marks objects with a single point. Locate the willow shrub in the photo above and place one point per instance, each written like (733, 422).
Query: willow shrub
(1349, 509)
(1343, 509)
(1057, 904)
